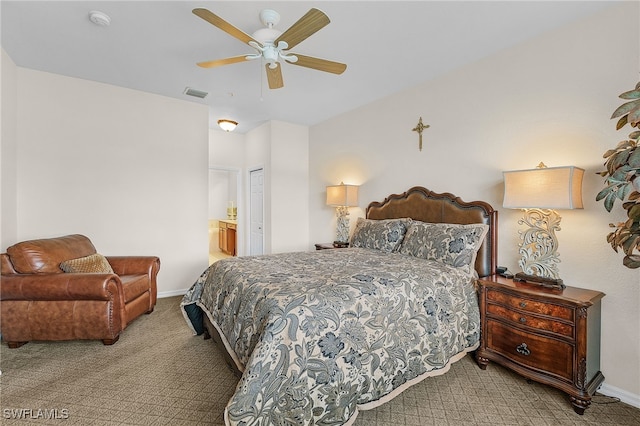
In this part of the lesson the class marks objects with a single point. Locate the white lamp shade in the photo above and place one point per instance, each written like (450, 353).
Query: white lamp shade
(543, 188)
(342, 195)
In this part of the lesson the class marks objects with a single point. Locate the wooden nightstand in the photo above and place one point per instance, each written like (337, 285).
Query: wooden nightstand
(328, 246)
(550, 336)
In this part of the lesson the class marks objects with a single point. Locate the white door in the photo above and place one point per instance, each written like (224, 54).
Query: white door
(256, 201)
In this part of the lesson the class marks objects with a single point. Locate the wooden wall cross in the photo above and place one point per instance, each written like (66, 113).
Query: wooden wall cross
(419, 128)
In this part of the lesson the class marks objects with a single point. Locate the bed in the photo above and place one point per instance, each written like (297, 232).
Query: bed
(317, 336)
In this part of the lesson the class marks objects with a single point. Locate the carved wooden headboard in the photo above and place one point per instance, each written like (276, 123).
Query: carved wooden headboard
(427, 206)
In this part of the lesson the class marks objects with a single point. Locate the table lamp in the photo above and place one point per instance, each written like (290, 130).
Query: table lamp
(342, 197)
(540, 192)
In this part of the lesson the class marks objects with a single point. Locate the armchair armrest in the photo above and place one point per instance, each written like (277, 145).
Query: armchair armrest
(131, 265)
(61, 287)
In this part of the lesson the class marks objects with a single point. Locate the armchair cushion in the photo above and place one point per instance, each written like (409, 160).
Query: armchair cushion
(92, 264)
(45, 255)
(134, 285)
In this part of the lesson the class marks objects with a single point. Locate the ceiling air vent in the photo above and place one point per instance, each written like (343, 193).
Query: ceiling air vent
(193, 92)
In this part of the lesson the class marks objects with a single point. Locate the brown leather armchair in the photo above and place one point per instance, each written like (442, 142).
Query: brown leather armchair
(38, 301)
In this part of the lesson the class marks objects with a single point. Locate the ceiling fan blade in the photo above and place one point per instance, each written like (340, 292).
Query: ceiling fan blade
(319, 64)
(310, 23)
(274, 77)
(225, 61)
(214, 19)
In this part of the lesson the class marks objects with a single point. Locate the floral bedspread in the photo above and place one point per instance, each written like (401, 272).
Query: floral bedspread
(319, 335)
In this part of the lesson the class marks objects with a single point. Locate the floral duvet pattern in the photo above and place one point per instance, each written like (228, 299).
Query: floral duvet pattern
(319, 335)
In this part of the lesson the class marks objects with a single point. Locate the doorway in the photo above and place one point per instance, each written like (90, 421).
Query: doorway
(223, 198)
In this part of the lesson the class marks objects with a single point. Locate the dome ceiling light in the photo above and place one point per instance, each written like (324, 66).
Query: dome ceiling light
(227, 125)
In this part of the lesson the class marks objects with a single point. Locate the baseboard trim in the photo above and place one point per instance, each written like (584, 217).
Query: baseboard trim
(172, 293)
(623, 395)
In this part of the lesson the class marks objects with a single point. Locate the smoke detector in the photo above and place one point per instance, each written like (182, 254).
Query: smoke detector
(99, 18)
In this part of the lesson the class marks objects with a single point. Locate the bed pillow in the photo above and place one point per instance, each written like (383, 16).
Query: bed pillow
(93, 264)
(453, 244)
(385, 235)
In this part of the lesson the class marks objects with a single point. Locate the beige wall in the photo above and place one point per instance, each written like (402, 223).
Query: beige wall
(547, 100)
(289, 187)
(126, 168)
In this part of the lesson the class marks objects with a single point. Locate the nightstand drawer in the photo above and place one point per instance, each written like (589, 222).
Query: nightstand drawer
(538, 323)
(530, 305)
(530, 349)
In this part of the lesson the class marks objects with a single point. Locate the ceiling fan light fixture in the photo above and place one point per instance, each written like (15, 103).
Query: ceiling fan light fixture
(227, 125)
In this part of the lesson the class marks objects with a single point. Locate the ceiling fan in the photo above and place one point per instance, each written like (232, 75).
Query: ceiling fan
(273, 45)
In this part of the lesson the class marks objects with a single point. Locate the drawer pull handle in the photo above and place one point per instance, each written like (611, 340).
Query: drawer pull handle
(523, 349)
(523, 320)
(523, 304)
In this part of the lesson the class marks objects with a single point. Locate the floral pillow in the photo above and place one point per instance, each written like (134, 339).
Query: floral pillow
(385, 235)
(453, 244)
(93, 264)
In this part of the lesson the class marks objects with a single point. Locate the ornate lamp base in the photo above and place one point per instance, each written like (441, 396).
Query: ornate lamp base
(538, 248)
(342, 227)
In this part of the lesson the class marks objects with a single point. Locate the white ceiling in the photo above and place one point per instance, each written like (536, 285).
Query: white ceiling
(388, 46)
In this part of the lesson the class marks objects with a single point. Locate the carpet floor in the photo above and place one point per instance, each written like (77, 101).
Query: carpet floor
(158, 373)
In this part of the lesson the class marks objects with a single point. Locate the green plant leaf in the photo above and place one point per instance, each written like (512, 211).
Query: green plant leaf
(623, 191)
(631, 94)
(611, 191)
(634, 212)
(626, 108)
(634, 159)
(622, 122)
(625, 144)
(620, 174)
(630, 243)
(609, 200)
(634, 116)
(603, 193)
(620, 159)
(634, 135)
